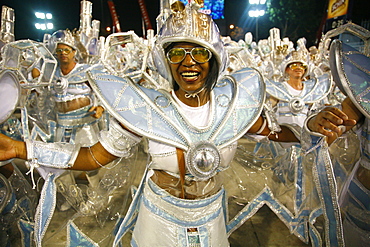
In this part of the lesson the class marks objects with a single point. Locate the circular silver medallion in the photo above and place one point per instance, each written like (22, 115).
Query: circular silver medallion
(61, 85)
(296, 105)
(202, 160)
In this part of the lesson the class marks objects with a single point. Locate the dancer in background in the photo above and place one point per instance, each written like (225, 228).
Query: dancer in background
(78, 114)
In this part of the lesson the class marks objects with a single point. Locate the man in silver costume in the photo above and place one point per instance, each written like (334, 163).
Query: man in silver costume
(70, 94)
(295, 111)
(77, 114)
(192, 132)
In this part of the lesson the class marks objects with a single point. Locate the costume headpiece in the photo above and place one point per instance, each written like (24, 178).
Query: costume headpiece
(188, 25)
(294, 57)
(7, 25)
(85, 40)
(272, 55)
(62, 37)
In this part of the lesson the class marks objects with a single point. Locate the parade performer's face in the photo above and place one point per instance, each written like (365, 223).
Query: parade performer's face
(189, 65)
(65, 53)
(296, 70)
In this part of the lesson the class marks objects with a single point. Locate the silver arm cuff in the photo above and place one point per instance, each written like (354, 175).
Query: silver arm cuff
(310, 139)
(117, 140)
(55, 155)
(270, 116)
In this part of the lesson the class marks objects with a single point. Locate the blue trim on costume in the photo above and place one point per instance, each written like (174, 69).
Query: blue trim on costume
(46, 207)
(179, 202)
(328, 196)
(133, 243)
(127, 223)
(362, 198)
(26, 228)
(203, 235)
(163, 214)
(77, 238)
(236, 106)
(299, 182)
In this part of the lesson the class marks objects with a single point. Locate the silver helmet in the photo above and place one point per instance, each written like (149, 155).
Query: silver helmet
(188, 25)
(62, 37)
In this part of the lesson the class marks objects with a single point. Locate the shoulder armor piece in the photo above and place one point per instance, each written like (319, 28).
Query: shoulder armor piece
(351, 72)
(236, 103)
(314, 89)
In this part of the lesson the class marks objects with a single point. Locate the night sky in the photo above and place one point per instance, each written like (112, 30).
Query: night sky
(66, 14)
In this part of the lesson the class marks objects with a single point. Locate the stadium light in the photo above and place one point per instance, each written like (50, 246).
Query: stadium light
(256, 13)
(257, 10)
(44, 21)
(40, 15)
(262, 2)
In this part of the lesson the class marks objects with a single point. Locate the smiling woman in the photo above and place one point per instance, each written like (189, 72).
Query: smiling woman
(194, 69)
(191, 74)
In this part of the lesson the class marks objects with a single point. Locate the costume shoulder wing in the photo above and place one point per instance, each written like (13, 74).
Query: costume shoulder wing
(317, 89)
(277, 90)
(246, 105)
(351, 73)
(143, 111)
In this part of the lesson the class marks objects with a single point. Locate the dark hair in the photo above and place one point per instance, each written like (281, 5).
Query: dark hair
(212, 76)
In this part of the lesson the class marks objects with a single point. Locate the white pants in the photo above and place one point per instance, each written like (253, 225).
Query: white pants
(163, 220)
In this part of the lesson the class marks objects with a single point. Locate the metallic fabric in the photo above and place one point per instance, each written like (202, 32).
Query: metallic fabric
(191, 26)
(55, 155)
(351, 72)
(314, 90)
(117, 140)
(235, 106)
